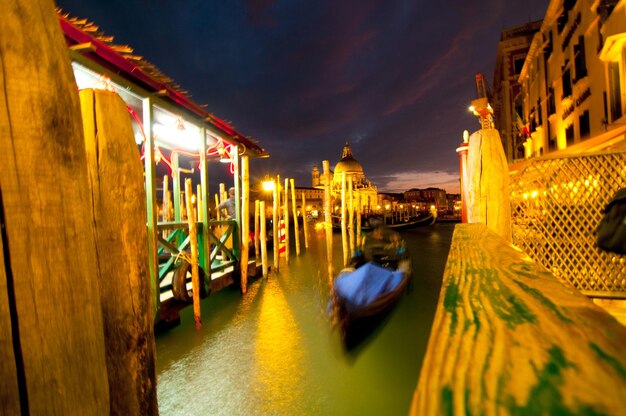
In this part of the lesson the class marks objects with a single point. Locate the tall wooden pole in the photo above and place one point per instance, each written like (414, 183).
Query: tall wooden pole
(351, 214)
(286, 216)
(276, 243)
(328, 226)
(245, 222)
(257, 254)
(344, 232)
(358, 220)
(193, 239)
(296, 228)
(305, 223)
(263, 241)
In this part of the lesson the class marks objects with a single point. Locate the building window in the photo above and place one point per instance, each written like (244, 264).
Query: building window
(561, 22)
(551, 101)
(569, 134)
(583, 124)
(548, 48)
(615, 91)
(539, 115)
(569, 5)
(518, 64)
(552, 144)
(567, 83)
(579, 59)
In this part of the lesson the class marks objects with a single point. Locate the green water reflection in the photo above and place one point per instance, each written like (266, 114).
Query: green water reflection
(272, 350)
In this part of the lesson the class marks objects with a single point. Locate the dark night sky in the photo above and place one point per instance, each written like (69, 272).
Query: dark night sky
(393, 78)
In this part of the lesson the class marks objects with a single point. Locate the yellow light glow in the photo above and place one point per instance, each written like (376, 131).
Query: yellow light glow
(268, 186)
(471, 108)
(534, 194)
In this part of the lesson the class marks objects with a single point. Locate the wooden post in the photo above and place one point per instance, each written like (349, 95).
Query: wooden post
(488, 183)
(296, 228)
(263, 239)
(245, 222)
(344, 232)
(275, 219)
(358, 221)
(256, 231)
(124, 284)
(51, 332)
(305, 223)
(286, 219)
(328, 226)
(351, 215)
(193, 239)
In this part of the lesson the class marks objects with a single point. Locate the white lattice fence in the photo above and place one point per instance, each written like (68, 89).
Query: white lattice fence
(557, 205)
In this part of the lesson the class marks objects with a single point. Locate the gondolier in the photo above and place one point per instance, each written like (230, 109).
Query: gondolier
(382, 246)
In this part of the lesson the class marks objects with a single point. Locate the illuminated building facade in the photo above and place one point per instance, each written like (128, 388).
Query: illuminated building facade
(507, 104)
(352, 169)
(573, 79)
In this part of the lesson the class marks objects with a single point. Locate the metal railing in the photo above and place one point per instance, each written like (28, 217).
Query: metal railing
(557, 204)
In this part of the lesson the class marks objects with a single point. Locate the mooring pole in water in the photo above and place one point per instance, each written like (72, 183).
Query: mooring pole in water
(275, 243)
(296, 227)
(358, 220)
(305, 225)
(256, 231)
(286, 219)
(245, 222)
(344, 232)
(193, 240)
(328, 224)
(351, 215)
(263, 238)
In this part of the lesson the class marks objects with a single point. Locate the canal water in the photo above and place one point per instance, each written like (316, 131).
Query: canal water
(273, 351)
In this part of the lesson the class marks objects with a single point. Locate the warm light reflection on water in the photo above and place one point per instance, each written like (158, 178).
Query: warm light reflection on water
(272, 351)
(280, 358)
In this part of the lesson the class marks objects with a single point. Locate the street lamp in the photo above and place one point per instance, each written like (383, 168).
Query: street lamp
(268, 185)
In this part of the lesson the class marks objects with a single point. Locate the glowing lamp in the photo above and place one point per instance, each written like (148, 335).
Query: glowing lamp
(268, 186)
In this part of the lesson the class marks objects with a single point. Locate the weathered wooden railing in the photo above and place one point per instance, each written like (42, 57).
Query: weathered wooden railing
(220, 255)
(509, 338)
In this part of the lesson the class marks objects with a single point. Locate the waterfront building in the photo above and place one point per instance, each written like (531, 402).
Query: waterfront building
(314, 198)
(572, 81)
(427, 197)
(352, 169)
(507, 105)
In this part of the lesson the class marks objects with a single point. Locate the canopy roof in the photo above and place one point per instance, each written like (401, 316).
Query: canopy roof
(120, 59)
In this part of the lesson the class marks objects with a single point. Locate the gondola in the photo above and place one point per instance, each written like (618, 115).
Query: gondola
(366, 291)
(365, 296)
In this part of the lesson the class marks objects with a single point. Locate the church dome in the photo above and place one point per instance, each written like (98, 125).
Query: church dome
(347, 163)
